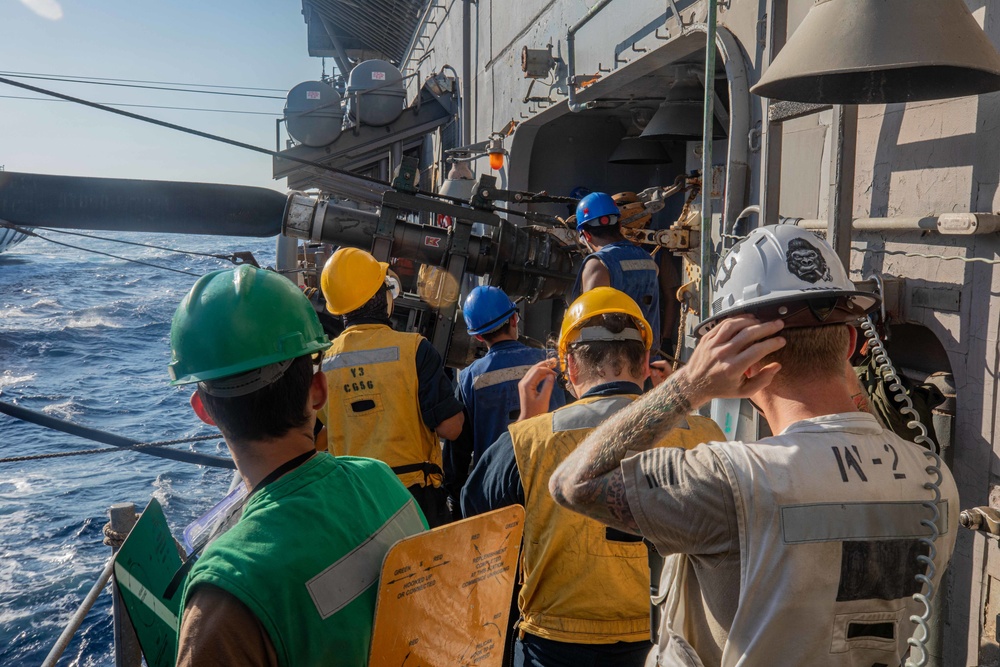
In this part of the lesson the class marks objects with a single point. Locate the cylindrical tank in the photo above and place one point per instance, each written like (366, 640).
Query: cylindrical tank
(377, 93)
(313, 114)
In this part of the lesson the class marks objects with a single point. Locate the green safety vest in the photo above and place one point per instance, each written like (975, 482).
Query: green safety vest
(306, 555)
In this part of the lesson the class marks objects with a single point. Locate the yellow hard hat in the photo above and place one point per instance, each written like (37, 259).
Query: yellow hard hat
(350, 278)
(600, 301)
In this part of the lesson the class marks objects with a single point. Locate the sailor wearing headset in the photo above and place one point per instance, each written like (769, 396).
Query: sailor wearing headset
(801, 548)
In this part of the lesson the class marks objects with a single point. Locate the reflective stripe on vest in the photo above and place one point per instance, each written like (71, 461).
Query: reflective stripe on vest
(637, 265)
(488, 388)
(582, 415)
(347, 359)
(338, 585)
(490, 378)
(267, 558)
(833, 522)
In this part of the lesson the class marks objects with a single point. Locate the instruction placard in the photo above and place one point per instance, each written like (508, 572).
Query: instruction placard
(144, 567)
(444, 595)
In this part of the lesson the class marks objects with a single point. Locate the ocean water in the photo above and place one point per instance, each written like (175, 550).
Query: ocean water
(85, 338)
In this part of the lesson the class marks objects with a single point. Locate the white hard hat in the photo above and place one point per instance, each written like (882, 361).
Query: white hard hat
(788, 273)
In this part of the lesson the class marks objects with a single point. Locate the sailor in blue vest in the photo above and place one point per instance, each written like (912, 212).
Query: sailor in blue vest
(488, 386)
(616, 261)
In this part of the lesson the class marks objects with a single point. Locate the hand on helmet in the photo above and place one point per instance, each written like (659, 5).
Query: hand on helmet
(722, 365)
(535, 389)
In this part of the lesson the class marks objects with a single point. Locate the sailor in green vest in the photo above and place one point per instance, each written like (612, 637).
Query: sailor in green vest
(294, 582)
(389, 398)
(585, 598)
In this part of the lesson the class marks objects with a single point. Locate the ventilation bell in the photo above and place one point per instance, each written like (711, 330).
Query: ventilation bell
(681, 116)
(883, 51)
(460, 181)
(636, 150)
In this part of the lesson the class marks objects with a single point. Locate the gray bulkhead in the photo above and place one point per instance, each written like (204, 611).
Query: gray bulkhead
(912, 161)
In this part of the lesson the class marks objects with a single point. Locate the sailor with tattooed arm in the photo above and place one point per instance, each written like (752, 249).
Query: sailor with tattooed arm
(800, 548)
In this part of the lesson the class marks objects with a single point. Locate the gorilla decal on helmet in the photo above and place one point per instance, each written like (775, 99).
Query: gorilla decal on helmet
(805, 261)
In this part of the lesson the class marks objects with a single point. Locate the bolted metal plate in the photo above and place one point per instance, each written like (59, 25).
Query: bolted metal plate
(947, 300)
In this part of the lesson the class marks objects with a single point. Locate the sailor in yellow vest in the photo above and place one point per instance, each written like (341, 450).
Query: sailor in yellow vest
(389, 398)
(585, 594)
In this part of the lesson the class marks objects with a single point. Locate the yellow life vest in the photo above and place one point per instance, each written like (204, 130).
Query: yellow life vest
(582, 583)
(373, 408)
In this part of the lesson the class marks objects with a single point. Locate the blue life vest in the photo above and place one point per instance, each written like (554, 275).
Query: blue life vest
(488, 389)
(634, 272)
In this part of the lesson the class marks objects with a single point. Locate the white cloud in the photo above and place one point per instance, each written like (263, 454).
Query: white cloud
(47, 9)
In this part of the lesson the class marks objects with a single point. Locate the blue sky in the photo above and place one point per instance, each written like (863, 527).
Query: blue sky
(255, 43)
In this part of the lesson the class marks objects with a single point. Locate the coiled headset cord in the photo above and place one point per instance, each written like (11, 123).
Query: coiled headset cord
(918, 641)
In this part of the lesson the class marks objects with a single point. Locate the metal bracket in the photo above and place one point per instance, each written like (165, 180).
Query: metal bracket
(406, 175)
(984, 519)
(675, 240)
(382, 245)
(483, 195)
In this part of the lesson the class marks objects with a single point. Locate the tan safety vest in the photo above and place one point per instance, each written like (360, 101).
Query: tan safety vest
(581, 585)
(829, 519)
(373, 408)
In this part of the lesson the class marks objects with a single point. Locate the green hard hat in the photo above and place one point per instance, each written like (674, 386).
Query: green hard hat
(240, 319)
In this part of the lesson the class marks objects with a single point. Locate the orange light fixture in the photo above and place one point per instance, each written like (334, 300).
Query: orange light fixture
(494, 148)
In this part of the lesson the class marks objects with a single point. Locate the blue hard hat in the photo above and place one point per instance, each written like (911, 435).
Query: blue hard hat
(595, 209)
(487, 309)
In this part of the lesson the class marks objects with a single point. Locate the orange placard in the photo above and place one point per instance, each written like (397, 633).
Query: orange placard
(444, 595)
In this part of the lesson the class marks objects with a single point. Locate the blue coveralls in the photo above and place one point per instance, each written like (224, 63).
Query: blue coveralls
(633, 271)
(488, 389)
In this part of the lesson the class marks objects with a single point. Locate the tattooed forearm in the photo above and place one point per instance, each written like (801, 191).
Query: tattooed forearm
(583, 480)
(602, 499)
(643, 423)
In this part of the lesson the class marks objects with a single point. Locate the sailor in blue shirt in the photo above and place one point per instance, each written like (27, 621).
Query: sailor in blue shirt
(488, 386)
(616, 261)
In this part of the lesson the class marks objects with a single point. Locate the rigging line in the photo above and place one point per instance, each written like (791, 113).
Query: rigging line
(28, 232)
(136, 243)
(133, 85)
(232, 142)
(149, 106)
(103, 450)
(967, 260)
(164, 83)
